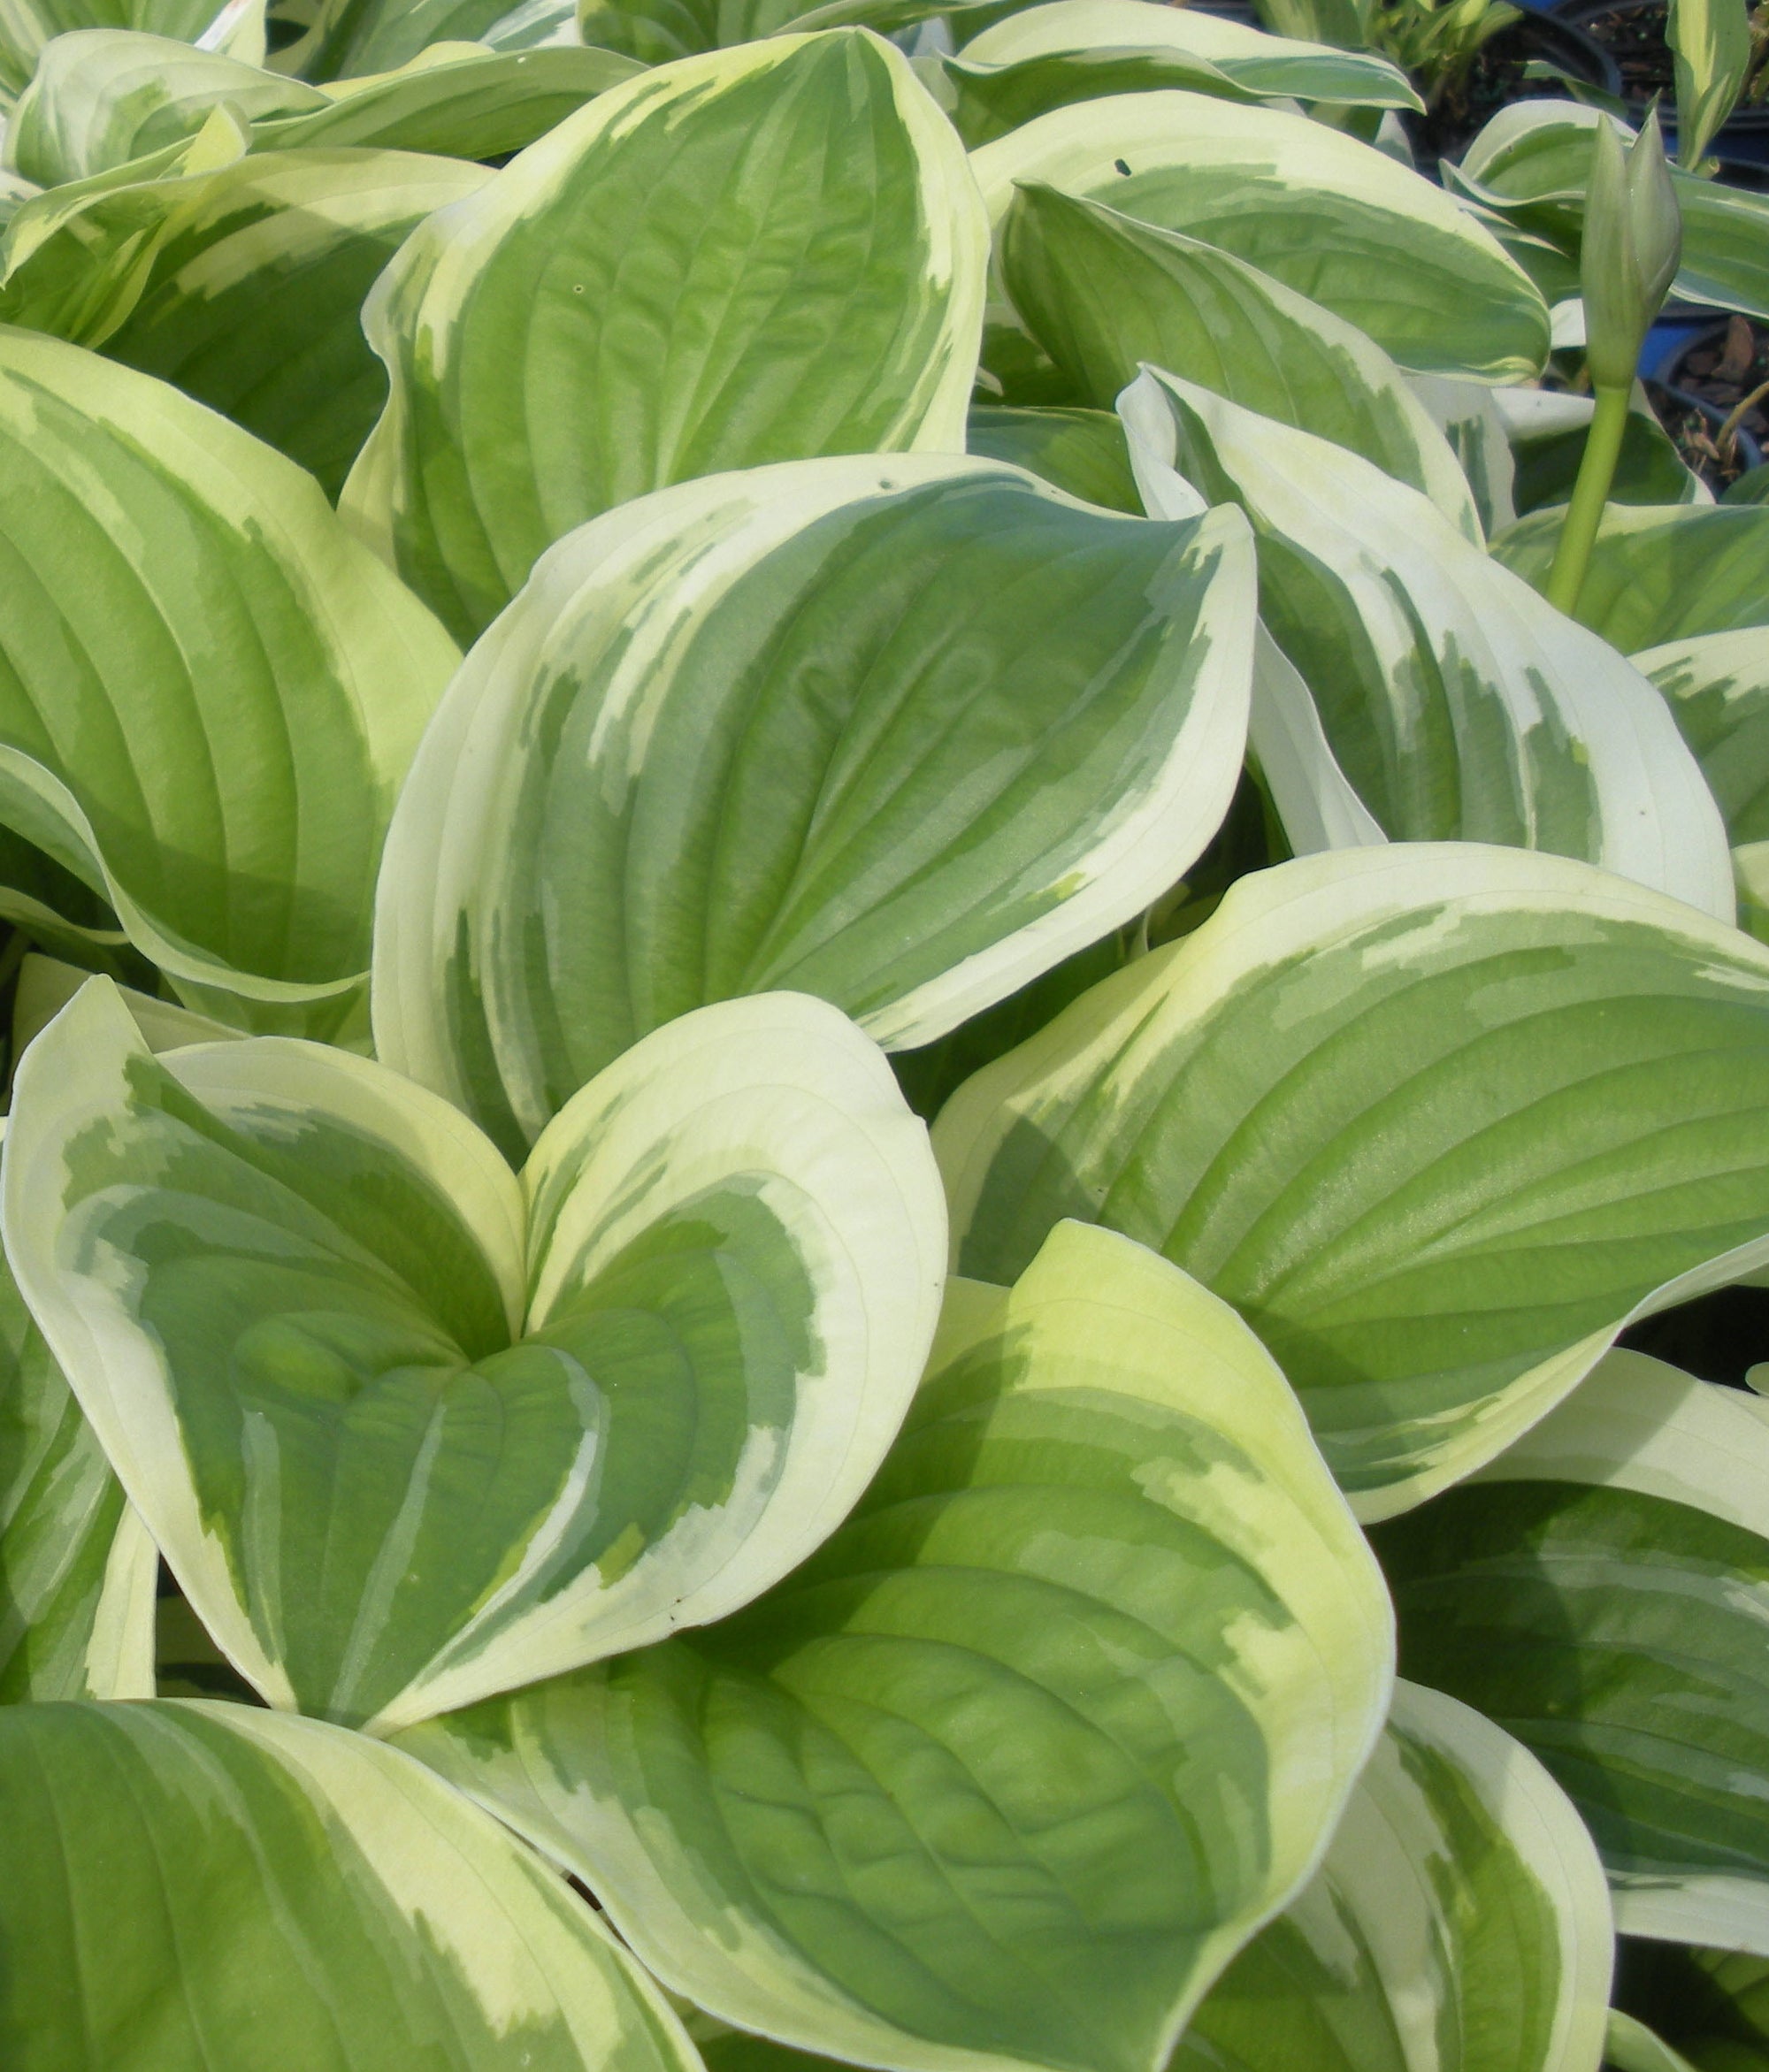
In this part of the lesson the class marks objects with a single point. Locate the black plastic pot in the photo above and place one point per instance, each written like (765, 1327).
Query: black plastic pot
(1631, 32)
(1686, 377)
(1497, 79)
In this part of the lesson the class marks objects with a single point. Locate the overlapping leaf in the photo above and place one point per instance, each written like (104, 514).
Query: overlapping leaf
(1533, 159)
(1459, 1924)
(900, 733)
(1437, 1121)
(1103, 294)
(77, 1569)
(1456, 703)
(468, 102)
(757, 256)
(1081, 452)
(1007, 1771)
(467, 1431)
(26, 25)
(186, 1883)
(101, 97)
(243, 286)
(1658, 574)
(1602, 1591)
(1044, 58)
(1325, 215)
(209, 692)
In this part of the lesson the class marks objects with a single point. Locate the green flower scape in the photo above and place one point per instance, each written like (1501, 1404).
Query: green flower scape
(845, 1039)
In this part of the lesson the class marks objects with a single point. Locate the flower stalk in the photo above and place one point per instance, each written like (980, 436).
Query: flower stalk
(1632, 244)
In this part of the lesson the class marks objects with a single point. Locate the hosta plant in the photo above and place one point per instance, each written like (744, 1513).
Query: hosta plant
(853, 1022)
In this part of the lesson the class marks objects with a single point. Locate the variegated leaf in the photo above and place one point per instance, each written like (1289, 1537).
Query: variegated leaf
(226, 624)
(101, 97)
(1043, 57)
(1325, 215)
(465, 1431)
(1459, 1924)
(197, 1883)
(77, 1568)
(1456, 702)
(757, 256)
(1658, 574)
(1438, 1121)
(1103, 294)
(1011, 1767)
(1602, 1591)
(902, 733)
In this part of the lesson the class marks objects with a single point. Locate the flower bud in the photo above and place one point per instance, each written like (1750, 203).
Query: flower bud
(1634, 237)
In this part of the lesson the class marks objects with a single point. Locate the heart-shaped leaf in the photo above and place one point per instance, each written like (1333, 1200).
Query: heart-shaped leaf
(757, 256)
(1438, 1121)
(901, 733)
(180, 604)
(1602, 1590)
(1012, 1767)
(191, 1883)
(1322, 213)
(409, 1430)
(1458, 703)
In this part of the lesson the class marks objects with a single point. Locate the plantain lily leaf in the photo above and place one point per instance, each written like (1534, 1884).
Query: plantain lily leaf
(1103, 294)
(900, 733)
(757, 256)
(478, 104)
(1658, 574)
(1717, 685)
(657, 31)
(1711, 43)
(272, 1893)
(1630, 2047)
(1602, 1591)
(468, 1431)
(227, 622)
(46, 986)
(26, 25)
(1547, 431)
(535, 25)
(102, 97)
(1459, 1924)
(1533, 159)
(243, 286)
(72, 259)
(253, 303)
(77, 1568)
(1326, 216)
(1081, 452)
(1014, 1765)
(1390, 1103)
(1456, 702)
(1044, 58)
(1476, 427)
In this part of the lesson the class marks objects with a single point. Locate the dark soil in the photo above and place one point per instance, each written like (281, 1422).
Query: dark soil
(1704, 387)
(1634, 37)
(1497, 78)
